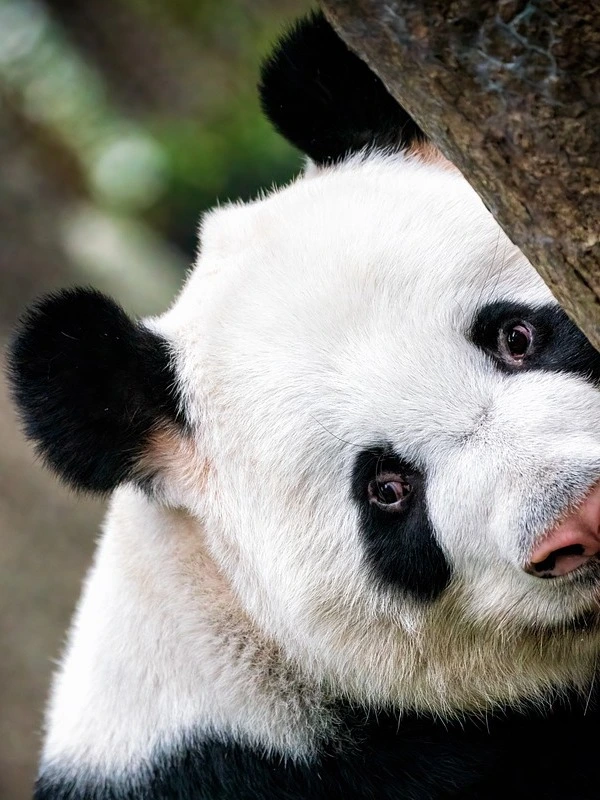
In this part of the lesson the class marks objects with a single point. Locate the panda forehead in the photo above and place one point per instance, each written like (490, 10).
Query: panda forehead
(377, 228)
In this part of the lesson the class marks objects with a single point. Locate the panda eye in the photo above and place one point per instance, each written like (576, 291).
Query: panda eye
(516, 341)
(389, 491)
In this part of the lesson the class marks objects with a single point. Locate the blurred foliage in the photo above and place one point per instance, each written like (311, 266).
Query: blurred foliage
(232, 156)
(154, 102)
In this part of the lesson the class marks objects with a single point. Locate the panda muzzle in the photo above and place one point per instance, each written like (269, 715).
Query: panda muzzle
(572, 543)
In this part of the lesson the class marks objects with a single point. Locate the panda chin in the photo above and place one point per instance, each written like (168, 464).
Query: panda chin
(584, 622)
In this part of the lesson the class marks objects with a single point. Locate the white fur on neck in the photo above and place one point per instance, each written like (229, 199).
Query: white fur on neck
(161, 648)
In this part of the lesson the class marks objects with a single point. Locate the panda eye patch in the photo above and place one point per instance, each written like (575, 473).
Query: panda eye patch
(389, 491)
(516, 341)
(400, 544)
(520, 337)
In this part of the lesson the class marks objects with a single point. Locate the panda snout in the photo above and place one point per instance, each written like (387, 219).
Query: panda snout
(572, 543)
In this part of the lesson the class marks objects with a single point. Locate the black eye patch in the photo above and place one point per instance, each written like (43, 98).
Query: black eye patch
(557, 343)
(400, 547)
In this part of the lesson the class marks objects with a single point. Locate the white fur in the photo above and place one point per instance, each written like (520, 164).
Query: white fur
(327, 317)
(159, 648)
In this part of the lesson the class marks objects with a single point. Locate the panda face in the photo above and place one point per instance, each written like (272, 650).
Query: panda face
(394, 416)
(368, 406)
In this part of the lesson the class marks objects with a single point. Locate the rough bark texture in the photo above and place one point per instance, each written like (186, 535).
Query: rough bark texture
(510, 92)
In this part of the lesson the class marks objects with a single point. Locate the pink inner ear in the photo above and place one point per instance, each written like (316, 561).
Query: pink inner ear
(428, 153)
(571, 543)
(171, 455)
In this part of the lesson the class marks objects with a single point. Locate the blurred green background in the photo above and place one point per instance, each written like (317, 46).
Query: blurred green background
(120, 121)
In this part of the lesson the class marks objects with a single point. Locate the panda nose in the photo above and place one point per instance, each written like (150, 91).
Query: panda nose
(561, 561)
(573, 542)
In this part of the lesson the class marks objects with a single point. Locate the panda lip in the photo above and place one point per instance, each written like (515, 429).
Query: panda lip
(572, 543)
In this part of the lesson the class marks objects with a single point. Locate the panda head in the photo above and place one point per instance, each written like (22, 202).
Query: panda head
(369, 399)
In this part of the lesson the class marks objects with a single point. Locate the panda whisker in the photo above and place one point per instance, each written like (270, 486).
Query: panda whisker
(502, 267)
(591, 689)
(490, 268)
(341, 439)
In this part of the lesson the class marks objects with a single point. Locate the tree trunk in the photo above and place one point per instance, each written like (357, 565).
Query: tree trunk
(510, 92)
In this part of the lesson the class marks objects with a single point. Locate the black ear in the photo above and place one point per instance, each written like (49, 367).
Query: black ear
(325, 100)
(91, 386)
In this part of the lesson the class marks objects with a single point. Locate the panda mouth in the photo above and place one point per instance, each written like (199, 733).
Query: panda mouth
(573, 543)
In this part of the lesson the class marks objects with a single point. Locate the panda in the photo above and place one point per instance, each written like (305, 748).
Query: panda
(352, 549)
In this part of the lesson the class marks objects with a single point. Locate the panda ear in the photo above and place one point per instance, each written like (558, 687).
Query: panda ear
(91, 387)
(325, 100)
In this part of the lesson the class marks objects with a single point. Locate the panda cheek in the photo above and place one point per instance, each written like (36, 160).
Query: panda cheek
(93, 389)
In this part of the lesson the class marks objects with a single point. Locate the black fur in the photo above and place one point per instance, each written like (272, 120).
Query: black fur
(90, 385)
(401, 548)
(547, 756)
(325, 100)
(558, 344)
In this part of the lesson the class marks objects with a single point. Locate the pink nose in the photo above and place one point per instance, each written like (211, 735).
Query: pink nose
(570, 544)
(561, 561)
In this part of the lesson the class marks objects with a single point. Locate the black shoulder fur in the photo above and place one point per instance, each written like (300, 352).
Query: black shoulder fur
(547, 755)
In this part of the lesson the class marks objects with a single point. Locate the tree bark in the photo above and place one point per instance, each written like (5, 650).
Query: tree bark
(510, 93)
